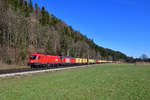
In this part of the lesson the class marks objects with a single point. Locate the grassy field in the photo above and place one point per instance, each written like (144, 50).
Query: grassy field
(102, 82)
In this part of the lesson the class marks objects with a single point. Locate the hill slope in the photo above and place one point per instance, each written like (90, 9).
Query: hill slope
(25, 30)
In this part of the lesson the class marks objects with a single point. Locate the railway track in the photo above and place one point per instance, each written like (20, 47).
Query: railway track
(25, 71)
(9, 71)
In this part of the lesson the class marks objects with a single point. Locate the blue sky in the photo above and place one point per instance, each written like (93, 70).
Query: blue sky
(122, 25)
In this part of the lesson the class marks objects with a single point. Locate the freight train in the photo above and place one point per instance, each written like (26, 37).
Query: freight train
(41, 60)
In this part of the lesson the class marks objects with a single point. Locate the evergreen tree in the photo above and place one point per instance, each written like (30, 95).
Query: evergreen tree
(43, 18)
(36, 11)
(15, 3)
(30, 5)
(36, 7)
(20, 4)
(26, 9)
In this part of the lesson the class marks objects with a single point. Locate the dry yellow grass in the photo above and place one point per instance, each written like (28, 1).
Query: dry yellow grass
(142, 63)
(3, 66)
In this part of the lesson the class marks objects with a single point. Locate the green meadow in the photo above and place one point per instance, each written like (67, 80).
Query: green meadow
(100, 82)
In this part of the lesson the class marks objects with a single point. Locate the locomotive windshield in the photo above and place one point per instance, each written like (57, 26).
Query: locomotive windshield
(33, 57)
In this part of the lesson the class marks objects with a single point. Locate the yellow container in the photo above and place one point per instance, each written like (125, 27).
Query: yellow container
(102, 61)
(84, 61)
(78, 60)
(91, 60)
(99, 61)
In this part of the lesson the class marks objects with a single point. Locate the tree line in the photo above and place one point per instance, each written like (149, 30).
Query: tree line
(25, 29)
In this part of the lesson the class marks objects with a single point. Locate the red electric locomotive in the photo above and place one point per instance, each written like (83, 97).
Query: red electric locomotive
(40, 60)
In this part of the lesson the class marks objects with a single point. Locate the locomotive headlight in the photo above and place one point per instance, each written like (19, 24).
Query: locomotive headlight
(56, 60)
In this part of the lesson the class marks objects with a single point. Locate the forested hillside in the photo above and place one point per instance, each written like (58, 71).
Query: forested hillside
(25, 29)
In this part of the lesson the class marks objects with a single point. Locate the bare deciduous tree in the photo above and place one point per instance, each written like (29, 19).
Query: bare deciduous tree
(144, 57)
